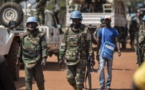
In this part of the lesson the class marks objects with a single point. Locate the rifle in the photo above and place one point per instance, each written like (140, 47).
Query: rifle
(138, 49)
(88, 74)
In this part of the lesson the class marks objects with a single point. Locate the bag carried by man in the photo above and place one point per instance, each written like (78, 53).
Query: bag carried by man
(107, 49)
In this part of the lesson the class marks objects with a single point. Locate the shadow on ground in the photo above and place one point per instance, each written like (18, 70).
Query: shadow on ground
(121, 69)
(20, 83)
(127, 50)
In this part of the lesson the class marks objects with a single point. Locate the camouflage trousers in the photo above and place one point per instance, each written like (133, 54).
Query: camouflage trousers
(76, 75)
(37, 73)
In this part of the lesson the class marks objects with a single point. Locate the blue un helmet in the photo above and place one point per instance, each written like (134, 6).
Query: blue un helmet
(143, 19)
(32, 19)
(76, 15)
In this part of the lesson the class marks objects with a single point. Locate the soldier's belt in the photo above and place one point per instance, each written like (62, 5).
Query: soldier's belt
(31, 56)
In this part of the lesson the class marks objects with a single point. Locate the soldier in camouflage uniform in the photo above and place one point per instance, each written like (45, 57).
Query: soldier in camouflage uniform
(141, 41)
(33, 52)
(75, 49)
(40, 15)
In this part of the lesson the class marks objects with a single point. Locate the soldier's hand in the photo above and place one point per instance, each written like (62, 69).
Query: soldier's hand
(43, 62)
(61, 62)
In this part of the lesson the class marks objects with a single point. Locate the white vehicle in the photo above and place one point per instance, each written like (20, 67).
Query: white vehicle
(12, 28)
(116, 9)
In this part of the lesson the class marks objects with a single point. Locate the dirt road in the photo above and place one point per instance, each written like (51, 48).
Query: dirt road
(55, 77)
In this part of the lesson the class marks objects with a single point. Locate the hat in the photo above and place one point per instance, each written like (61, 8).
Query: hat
(107, 17)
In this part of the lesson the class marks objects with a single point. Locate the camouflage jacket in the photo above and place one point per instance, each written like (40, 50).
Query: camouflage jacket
(76, 45)
(33, 47)
(41, 4)
(141, 36)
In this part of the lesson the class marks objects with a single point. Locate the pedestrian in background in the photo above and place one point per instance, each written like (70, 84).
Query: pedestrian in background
(40, 8)
(33, 52)
(141, 42)
(132, 29)
(106, 34)
(75, 49)
(6, 81)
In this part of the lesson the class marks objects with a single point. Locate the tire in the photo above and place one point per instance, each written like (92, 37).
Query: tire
(11, 11)
(12, 60)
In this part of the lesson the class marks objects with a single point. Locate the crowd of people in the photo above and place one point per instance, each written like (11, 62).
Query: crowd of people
(88, 5)
(75, 49)
(106, 36)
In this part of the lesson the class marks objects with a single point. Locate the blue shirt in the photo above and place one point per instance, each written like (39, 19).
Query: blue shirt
(109, 35)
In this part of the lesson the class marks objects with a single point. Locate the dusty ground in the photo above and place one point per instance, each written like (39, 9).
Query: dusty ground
(55, 77)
